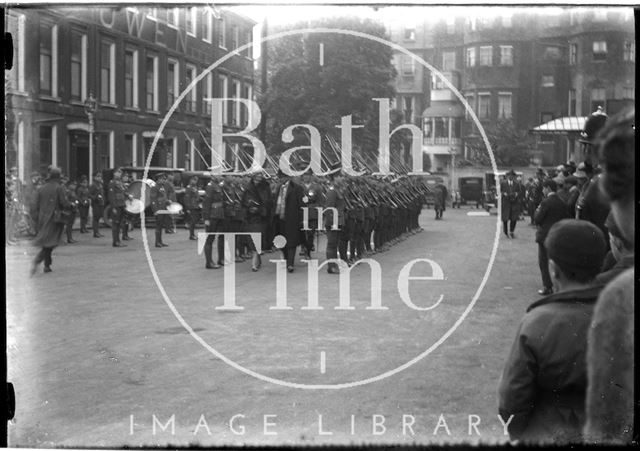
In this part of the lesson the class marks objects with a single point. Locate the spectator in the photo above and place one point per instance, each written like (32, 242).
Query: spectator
(573, 191)
(619, 258)
(72, 198)
(50, 202)
(610, 357)
(551, 210)
(543, 384)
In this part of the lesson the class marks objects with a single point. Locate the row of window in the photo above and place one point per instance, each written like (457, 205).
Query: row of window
(206, 15)
(483, 106)
(139, 70)
(484, 56)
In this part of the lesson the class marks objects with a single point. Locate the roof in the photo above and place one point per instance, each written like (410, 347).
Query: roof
(443, 109)
(562, 125)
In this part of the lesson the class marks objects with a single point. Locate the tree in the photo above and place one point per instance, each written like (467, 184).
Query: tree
(307, 88)
(511, 146)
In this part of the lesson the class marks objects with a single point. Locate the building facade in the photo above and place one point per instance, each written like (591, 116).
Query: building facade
(136, 63)
(522, 65)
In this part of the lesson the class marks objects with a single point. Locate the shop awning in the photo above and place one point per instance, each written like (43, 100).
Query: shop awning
(443, 109)
(562, 126)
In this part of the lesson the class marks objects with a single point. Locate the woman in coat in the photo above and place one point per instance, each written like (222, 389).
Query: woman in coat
(51, 197)
(258, 203)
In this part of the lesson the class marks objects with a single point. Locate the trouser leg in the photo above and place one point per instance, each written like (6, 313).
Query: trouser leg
(543, 262)
(333, 237)
(47, 256)
(505, 227)
(512, 226)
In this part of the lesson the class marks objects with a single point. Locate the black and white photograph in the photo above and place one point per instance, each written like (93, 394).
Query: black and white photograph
(309, 224)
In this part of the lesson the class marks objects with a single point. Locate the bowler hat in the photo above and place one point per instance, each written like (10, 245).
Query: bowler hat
(159, 175)
(511, 172)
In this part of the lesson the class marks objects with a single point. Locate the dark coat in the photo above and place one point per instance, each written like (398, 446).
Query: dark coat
(258, 202)
(212, 205)
(610, 364)
(544, 380)
(512, 199)
(592, 205)
(292, 214)
(50, 196)
(159, 197)
(551, 210)
(334, 200)
(439, 197)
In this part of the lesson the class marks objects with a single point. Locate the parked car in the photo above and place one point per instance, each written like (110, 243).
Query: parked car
(471, 190)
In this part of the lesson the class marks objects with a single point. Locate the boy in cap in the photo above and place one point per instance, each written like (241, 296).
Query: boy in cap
(160, 201)
(543, 384)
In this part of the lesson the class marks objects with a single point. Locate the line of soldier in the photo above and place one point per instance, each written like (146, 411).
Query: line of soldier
(370, 208)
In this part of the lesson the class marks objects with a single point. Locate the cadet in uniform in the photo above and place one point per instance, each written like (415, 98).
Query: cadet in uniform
(335, 200)
(117, 197)
(213, 214)
(96, 193)
(191, 205)
(160, 201)
(84, 200)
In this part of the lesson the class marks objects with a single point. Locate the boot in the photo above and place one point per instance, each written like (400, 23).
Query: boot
(255, 262)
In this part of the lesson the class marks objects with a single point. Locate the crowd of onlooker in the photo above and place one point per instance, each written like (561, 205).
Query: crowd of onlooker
(569, 374)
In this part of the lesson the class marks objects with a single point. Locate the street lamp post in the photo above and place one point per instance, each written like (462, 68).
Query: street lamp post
(90, 108)
(452, 151)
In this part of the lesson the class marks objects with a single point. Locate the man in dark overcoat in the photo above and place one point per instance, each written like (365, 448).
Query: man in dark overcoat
(288, 215)
(551, 210)
(439, 199)
(512, 198)
(50, 198)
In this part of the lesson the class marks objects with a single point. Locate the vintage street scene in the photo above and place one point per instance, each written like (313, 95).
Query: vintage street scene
(267, 225)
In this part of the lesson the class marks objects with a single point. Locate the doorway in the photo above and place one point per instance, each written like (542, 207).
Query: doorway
(78, 154)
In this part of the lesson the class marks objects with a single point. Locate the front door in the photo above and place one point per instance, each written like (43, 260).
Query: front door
(78, 154)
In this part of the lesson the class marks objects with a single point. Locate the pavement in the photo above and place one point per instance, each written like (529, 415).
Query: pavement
(99, 358)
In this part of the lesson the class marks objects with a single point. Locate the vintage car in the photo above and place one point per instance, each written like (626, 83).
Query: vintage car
(471, 190)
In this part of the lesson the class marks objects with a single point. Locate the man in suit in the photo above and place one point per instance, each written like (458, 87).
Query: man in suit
(551, 210)
(512, 197)
(288, 213)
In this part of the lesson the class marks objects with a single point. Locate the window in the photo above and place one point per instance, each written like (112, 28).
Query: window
(49, 59)
(16, 74)
(407, 108)
(151, 78)
(223, 93)
(552, 53)
(598, 98)
(486, 53)
(130, 148)
(504, 105)
(173, 82)
(235, 37)
(244, 113)
(629, 51)
(191, 21)
(471, 100)
(573, 54)
(572, 102)
(437, 82)
(152, 13)
(172, 17)
(131, 78)
(208, 93)
(249, 39)
(448, 61)
(484, 105)
(78, 65)
(107, 71)
(222, 34)
(451, 25)
(548, 81)
(471, 56)
(471, 23)
(408, 66)
(427, 127)
(506, 55)
(599, 50)
(628, 92)
(232, 107)
(409, 33)
(507, 21)
(207, 26)
(190, 75)
(441, 128)
(47, 146)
